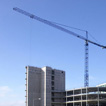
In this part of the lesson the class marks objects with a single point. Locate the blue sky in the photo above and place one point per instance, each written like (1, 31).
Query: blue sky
(24, 41)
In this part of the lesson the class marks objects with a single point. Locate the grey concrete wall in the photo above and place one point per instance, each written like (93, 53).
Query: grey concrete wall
(48, 86)
(34, 86)
(59, 80)
(39, 86)
(59, 86)
(42, 88)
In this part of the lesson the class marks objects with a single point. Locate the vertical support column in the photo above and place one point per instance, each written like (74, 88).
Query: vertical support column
(81, 96)
(86, 96)
(27, 76)
(66, 98)
(73, 97)
(98, 96)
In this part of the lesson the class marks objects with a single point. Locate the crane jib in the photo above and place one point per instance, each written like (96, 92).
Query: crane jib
(56, 26)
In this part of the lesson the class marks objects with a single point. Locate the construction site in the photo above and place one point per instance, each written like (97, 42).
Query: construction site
(46, 86)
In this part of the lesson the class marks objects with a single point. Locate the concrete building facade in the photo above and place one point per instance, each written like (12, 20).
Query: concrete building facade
(45, 86)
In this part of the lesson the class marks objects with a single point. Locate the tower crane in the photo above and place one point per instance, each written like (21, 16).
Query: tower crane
(86, 76)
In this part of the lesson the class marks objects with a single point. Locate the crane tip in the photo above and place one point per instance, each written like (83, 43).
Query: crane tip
(15, 8)
(104, 47)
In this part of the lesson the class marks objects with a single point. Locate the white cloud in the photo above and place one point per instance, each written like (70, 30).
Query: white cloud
(11, 97)
(4, 90)
(15, 103)
(8, 94)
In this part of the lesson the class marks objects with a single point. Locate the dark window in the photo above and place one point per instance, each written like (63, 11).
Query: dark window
(52, 99)
(52, 88)
(52, 77)
(52, 93)
(52, 71)
(52, 83)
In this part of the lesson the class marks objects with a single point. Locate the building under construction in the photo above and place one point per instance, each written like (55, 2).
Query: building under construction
(46, 87)
(89, 96)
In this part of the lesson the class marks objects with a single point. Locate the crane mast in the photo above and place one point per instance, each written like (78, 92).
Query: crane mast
(86, 76)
